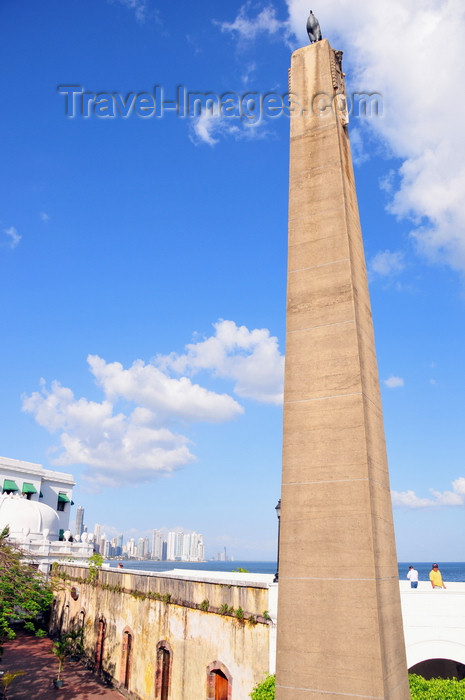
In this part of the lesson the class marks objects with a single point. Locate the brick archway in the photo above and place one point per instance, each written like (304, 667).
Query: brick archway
(164, 665)
(219, 682)
(99, 647)
(126, 657)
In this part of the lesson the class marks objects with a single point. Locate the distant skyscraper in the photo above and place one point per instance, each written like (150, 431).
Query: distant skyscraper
(183, 546)
(102, 543)
(79, 527)
(157, 545)
(186, 548)
(171, 546)
(142, 547)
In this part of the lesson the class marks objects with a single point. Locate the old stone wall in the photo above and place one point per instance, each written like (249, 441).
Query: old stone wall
(145, 632)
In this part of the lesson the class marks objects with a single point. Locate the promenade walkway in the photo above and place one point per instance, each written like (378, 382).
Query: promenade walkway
(33, 655)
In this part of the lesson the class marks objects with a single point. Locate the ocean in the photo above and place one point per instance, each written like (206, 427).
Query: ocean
(451, 571)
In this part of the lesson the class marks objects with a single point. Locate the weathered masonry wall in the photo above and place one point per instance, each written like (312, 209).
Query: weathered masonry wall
(154, 633)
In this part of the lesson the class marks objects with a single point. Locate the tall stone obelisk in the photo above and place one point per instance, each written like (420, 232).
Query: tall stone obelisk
(340, 632)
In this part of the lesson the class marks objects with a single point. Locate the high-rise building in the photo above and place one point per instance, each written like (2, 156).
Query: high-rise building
(79, 526)
(171, 546)
(183, 546)
(197, 552)
(142, 547)
(131, 548)
(102, 545)
(157, 545)
(186, 548)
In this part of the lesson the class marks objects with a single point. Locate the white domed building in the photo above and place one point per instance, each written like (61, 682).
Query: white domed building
(35, 505)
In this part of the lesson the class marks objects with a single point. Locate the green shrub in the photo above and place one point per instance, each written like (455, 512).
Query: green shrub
(436, 688)
(420, 689)
(264, 690)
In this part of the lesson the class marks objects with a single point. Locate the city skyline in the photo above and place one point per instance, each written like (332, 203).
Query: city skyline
(144, 257)
(163, 545)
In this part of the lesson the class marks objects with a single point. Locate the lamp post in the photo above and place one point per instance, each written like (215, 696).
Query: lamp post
(278, 513)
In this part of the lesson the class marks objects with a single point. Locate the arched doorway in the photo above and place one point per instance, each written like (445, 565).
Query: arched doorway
(126, 658)
(219, 682)
(102, 625)
(163, 671)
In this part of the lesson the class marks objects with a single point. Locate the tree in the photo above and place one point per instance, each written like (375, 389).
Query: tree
(61, 649)
(24, 591)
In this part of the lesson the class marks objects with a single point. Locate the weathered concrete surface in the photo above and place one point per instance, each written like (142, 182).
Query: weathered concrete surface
(339, 616)
(182, 615)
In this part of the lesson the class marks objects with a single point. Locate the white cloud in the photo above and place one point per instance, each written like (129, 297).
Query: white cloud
(116, 448)
(456, 497)
(205, 126)
(248, 73)
(128, 437)
(418, 74)
(386, 264)
(140, 8)
(247, 29)
(168, 398)
(250, 358)
(44, 216)
(393, 382)
(13, 235)
(459, 486)
(210, 126)
(409, 499)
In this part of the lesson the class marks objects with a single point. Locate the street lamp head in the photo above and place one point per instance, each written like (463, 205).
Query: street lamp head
(278, 509)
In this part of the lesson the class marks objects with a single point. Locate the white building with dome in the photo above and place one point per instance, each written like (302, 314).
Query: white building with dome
(35, 504)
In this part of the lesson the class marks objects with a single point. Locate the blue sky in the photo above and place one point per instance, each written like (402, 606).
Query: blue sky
(144, 258)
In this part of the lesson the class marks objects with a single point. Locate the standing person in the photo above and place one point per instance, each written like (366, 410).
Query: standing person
(436, 578)
(413, 577)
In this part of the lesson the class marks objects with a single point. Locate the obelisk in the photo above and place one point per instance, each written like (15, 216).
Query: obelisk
(340, 632)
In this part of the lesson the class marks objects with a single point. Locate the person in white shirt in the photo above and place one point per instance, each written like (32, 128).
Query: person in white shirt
(413, 577)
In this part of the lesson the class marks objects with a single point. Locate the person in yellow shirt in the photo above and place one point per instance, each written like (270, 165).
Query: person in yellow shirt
(436, 578)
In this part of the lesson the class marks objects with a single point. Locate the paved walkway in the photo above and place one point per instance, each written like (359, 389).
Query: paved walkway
(33, 655)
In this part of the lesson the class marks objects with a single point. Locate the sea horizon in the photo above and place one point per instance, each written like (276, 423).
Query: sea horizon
(453, 571)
